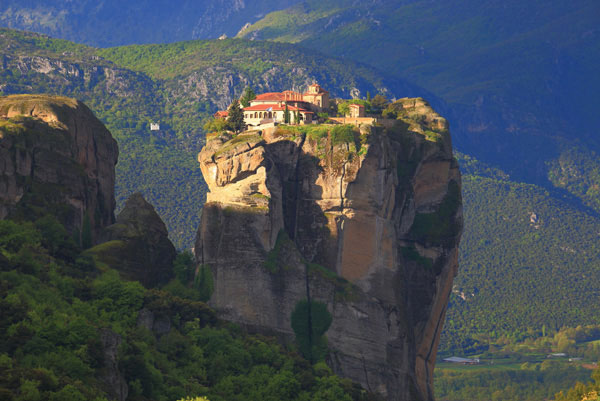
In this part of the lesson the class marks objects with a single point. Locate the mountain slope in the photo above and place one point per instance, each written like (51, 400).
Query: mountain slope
(113, 23)
(178, 85)
(516, 75)
(528, 259)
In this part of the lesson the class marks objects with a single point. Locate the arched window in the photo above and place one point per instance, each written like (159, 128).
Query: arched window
(255, 114)
(270, 115)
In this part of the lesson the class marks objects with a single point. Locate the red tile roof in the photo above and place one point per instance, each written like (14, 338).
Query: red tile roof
(274, 107)
(221, 113)
(276, 96)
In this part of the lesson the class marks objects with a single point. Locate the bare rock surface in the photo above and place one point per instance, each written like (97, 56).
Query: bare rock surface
(366, 221)
(56, 156)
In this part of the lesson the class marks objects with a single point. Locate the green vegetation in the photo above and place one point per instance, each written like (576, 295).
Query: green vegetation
(344, 290)
(272, 262)
(578, 171)
(527, 379)
(522, 368)
(216, 126)
(346, 133)
(310, 321)
(439, 226)
(237, 140)
(60, 313)
(411, 253)
(582, 392)
(343, 106)
(235, 116)
(313, 132)
(130, 87)
(528, 260)
(248, 96)
(433, 136)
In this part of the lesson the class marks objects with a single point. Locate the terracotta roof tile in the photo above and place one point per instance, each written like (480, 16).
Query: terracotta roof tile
(277, 96)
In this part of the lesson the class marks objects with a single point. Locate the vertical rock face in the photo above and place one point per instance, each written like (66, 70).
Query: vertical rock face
(56, 156)
(365, 221)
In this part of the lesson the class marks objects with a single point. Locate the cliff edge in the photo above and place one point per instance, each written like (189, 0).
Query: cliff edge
(56, 157)
(343, 239)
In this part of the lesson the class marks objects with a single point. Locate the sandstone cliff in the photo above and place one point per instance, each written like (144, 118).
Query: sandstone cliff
(137, 245)
(56, 157)
(366, 222)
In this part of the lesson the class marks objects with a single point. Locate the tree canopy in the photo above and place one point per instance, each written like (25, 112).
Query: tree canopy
(247, 96)
(236, 116)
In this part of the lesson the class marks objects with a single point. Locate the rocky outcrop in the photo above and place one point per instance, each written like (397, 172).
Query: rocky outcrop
(137, 245)
(110, 375)
(366, 221)
(56, 156)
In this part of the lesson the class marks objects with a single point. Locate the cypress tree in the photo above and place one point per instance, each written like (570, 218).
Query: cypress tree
(297, 117)
(247, 97)
(235, 116)
(286, 115)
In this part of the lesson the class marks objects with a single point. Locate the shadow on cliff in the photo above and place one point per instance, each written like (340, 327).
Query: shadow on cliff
(305, 221)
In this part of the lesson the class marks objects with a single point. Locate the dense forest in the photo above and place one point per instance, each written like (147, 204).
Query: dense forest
(527, 261)
(71, 330)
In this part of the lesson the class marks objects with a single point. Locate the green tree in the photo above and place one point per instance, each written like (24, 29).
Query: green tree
(236, 116)
(297, 117)
(247, 96)
(184, 266)
(310, 321)
(286, 115)
(379, 103)
(216, 125)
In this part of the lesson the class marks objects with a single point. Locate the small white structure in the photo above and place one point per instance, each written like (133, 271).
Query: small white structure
(154, 127)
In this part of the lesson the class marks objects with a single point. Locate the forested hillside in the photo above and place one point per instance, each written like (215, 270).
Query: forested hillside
(528, 261)
(178, 86)
(72, 330)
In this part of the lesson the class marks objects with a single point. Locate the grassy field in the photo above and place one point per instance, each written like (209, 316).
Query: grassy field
(524, 377)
